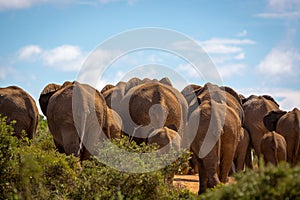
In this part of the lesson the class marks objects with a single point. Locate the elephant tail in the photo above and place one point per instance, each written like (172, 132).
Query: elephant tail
(276, 147)
(297, 145)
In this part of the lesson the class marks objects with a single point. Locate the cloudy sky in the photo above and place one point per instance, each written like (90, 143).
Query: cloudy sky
(253, 44)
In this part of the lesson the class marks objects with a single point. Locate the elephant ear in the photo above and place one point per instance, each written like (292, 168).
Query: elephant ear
(166, 81)
(173, 127)
(46, 94)
(242, 98)
(271, 99)
(107, 87)
(233, 93)
(271, 119)
(131, 83)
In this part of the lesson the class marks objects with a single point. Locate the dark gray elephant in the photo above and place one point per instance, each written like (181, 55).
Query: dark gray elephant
(77, 117)
(18, 105)
(286, 124)
(273, 148)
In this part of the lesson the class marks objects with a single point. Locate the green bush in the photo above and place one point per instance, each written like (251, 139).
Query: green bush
(35, 170)
(266, 182)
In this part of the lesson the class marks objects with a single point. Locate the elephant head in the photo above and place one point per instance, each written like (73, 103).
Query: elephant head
(271, 119)
(47, 92)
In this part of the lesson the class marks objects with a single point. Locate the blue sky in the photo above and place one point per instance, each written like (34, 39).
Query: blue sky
(254, 44)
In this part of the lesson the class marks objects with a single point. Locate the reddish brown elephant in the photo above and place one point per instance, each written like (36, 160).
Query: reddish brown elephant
(242, 156)
(152, 105)
(77, 116)
(286, 124)
(218, 122)
(273, 148)
(255, 109)
(18, 105)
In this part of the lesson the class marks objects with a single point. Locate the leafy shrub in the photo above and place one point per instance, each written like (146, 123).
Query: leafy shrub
(35, 170)
(266, 182)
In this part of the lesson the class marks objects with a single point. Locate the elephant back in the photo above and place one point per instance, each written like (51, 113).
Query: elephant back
(18, 105)
(152, 104)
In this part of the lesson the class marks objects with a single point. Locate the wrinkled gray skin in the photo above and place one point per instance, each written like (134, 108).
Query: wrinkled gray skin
(286, 124)
(218, 121)
(18, 105)
(255, 109)
(273, 148)
(77, 117)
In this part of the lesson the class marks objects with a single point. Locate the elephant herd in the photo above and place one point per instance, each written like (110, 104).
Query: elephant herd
(218, 125)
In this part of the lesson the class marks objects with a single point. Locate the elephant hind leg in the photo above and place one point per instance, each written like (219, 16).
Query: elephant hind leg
(210, 163)
(202, 177)
(226, 161)
(71, 141)
(59, 148)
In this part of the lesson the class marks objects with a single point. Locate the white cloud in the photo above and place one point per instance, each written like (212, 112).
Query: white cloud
(284, 9)
(62, 54)
(64, 57)
(280, 61)
(240, 56)
(231, 70)
(29, 52)
(224, 46)
(280, 15)
(283, 5)
(227, 54)
(24, 4)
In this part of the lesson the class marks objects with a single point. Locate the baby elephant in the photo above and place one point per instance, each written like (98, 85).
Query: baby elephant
(163, 137)
(273, 148)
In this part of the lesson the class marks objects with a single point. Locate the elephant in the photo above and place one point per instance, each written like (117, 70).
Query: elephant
(190, 93)
(286, 124)
(77, 117)
(152, 105)
(18, 105)
(163, 137)
(255, 109)
(106, 87)
(273, 148)
(218, 124)
(242, 156)
(114, 94)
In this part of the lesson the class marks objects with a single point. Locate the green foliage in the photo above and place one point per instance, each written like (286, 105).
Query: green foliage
(35, 170)
(266, 182)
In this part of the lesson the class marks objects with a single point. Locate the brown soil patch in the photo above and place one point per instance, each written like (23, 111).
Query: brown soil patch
(191, 182)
